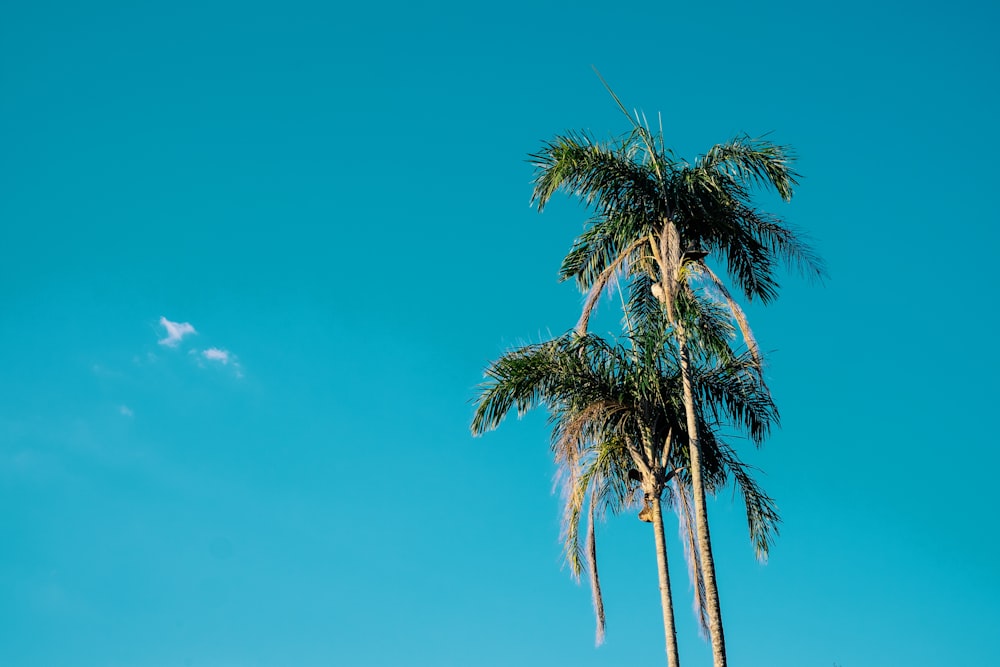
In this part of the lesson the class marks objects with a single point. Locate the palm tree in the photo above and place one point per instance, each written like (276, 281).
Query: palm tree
(619, 435)
(657, 220)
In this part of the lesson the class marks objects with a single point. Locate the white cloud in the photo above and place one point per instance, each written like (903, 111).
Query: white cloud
(215, 354)
(175, 331)
(125, 411)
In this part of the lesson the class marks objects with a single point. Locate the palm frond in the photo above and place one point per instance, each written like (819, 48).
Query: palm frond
(607, 276)
(599, 175)
(595, 580)
(684, 507)
(787, 243)
(762, 512)
(757, 162)
(707, 324)
(737, 314)
(735, 392)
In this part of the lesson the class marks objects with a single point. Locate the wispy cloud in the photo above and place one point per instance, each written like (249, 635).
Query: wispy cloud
(126, 411)
(223, 357)
(215, 354)
(175, 332)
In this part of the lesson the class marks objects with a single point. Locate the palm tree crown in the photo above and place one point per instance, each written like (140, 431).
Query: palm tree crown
(635, 185)
(619, 434)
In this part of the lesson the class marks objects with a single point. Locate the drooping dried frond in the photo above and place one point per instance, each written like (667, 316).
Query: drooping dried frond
(597, 475)
(607, 277)
(595, 580)
(737, 313)
(683, 504)
(576, 427)
(607, 240)
(574, 485)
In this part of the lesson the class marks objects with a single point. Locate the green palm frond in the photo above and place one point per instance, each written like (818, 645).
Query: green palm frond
(708, 323)
(641, 305)
(711, 216)
(755, 162)
(761, 510)
(734, 392)
(607, 176)
(787, 243)
(723, 466)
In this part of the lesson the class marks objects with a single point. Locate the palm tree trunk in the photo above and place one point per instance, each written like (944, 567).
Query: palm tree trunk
(701, 515)
(665, 597)
(670, 258)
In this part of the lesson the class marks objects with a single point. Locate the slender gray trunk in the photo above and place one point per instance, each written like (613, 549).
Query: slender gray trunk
(666, 600)
(670, 261)
(713, 607)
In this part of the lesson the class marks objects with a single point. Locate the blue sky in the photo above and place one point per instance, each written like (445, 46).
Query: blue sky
(335, 200)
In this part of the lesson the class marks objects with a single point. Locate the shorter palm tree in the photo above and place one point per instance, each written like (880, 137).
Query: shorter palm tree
(619, 437)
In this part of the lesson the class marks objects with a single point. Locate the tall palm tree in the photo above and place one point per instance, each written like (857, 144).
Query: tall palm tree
(657, 220)
(619, 434)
